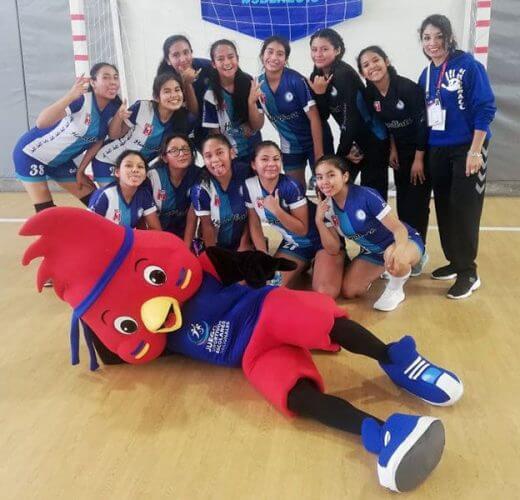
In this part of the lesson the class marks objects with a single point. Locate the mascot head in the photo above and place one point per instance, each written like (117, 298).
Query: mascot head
(126, 285)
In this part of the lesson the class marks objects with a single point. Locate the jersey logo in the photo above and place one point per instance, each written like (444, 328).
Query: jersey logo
(333, 91)
(377, 106)
(161, 195)
(198, 333)
(216, 201)
(117, 216)
(335, 220)
(289, 96)
(147, 130)
(361, 215)
(88, 119)
(260, 202)
(400, 104)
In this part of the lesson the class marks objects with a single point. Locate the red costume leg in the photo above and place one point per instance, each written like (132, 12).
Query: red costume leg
(278, 355)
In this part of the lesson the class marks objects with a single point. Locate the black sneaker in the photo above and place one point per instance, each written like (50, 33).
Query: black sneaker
(464, 286)
(444, 273)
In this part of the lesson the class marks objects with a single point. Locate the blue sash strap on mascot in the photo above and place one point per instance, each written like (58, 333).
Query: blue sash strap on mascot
(96, 291)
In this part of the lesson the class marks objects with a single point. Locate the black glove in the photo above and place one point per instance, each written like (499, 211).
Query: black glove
(252, 266)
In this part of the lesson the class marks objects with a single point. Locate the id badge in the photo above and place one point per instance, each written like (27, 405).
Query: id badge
(441, 125)
(435, 113)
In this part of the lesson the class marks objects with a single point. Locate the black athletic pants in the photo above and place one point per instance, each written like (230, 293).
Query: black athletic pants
(307, 400)
(373, 166)
(413, 202)
(458, 203)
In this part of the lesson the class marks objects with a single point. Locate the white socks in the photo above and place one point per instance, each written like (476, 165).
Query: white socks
(393, 294)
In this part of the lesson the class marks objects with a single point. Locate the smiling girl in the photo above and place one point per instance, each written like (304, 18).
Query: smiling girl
(172, 179)
(63, 131)
(399, 103)
(142, 128)
(290, 107)
(218, 199)
(126, 200)
(194, 71)
(277, 200)
(346, 210)
(231, 104)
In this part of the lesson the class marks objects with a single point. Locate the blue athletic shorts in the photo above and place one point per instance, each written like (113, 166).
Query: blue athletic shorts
(305, 254)
(30, 170)
(298, 161)
(378, 258)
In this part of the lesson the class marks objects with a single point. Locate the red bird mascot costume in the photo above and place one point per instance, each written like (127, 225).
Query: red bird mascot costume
(142, 294)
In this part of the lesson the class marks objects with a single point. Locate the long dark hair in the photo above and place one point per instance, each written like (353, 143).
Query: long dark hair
(205, 176)
(177, 135)
(164, 66)
(381, 53)
(443, 24)
(242, 86)
(277, 39)
(161, 79)
(335, 40)
(94, 70)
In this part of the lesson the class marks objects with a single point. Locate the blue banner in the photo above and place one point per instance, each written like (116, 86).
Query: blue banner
(292, 19)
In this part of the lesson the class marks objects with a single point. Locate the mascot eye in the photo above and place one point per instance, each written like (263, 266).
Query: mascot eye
(154, 275)
(126, 325)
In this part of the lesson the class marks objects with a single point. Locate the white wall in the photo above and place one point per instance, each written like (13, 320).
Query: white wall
(393, 24)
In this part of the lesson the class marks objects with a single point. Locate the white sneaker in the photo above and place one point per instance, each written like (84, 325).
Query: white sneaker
(389, 299)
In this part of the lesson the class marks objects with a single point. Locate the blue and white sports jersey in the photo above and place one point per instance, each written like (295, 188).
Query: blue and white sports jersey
(359, 220)
(292, 196)
(147, 133)
(217, 323)
(286, 109)
(109, 203)
(172, 202)
(227, 209)
(83, 125)
(213, 117)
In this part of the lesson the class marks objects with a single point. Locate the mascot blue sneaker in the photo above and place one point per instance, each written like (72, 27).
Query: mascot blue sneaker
(408, 447)
(409, 370)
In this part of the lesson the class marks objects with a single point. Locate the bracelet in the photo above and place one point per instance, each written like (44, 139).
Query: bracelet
(474, 154)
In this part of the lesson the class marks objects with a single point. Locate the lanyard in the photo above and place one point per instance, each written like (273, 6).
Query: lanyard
(439, 81)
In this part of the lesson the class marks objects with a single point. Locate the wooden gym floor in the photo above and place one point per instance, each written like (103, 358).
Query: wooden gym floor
(180, 429)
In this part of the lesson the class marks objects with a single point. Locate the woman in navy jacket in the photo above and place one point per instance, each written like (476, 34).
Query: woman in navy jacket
(460, 108)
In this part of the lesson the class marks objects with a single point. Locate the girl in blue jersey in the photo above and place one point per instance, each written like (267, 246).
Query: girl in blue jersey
(178, 57)
(339, 92)
(172, 179)
(126, 201)
(278, 200)
(142, 127)
(361, 215)
(63, 131)
(288, 104)
(218, 199)
(231, 103)
(460, 108)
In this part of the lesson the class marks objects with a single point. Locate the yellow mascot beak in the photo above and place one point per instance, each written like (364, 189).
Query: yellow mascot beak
(161, 315)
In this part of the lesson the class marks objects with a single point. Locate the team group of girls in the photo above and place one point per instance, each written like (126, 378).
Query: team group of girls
(214, 108)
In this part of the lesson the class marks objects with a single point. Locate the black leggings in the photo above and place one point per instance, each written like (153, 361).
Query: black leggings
(307, 400)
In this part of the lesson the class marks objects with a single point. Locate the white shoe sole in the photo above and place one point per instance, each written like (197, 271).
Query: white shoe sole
(388, 308)
(445, 277)
(415, 458)
(474, 287)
